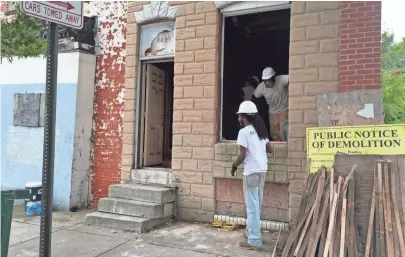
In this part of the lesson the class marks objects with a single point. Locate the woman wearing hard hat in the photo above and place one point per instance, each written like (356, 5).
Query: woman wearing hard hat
(254, 143)
(275, 90)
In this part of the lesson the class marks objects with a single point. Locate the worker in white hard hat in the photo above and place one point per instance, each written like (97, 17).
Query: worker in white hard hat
(253, 142)
(275, 90)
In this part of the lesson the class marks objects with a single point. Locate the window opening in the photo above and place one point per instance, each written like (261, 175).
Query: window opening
(251, 43)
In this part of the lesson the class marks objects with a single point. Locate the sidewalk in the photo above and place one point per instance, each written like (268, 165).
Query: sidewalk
(71, 237)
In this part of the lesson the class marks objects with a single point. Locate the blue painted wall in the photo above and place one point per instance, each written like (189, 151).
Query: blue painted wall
(21, 147)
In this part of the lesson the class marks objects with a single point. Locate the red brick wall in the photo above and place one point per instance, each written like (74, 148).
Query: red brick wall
(109, 97)
(360, 45)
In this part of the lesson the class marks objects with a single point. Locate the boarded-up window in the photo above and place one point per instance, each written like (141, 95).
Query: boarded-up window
(29, 109)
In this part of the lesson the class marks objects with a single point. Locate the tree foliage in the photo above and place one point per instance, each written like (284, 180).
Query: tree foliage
(21, 37)
(393, 54)
(393, 78)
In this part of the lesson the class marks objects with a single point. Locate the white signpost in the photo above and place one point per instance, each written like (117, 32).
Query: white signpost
(68, 13)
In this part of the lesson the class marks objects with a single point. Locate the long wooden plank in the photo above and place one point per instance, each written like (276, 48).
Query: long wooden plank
(305, 196)
(388, 224)
(342, 250)
(304, 247)
(336, 225)
(304, 230)
(319, 193)
(356, 240)
(370, 222)
(399, 195)
(383, 248)
(314, 242)
(350, 176)
(398, 227)
(377, 249)
(401, 171)
(330, 228)
(396, 249)
(308, 235)
(331, 188)
(351, 192)
(324, 232)
(293, 235)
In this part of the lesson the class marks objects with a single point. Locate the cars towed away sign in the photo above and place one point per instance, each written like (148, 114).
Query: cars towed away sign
(68, 13)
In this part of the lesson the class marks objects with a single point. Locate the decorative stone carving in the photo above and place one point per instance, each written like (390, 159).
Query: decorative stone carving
(156, 10)
(223, 4)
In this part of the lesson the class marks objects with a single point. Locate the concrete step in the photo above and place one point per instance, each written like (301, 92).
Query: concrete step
(135, 208)
(144, 193)
(152, 176)
(129, 223)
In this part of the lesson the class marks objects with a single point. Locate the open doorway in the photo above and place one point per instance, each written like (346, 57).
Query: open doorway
(155, 149)
(251, 43)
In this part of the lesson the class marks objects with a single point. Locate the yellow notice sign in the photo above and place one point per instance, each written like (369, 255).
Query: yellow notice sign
(323, 143)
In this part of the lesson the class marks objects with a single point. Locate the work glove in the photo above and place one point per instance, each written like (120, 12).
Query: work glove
(234, 168)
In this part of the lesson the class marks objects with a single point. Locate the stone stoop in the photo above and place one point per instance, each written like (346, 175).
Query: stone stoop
(134, 207)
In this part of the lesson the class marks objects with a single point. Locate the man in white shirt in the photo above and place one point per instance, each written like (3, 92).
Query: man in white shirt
(275, 90)
(253, 144)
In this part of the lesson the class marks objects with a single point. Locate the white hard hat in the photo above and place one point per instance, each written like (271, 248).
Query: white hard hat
(247, 107)
(268, 73)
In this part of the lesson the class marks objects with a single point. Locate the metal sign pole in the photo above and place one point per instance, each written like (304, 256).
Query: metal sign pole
(49, 142)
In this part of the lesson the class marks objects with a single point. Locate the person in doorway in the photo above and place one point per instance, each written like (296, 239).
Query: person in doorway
(249, 87)
(254, 143)
(275, 90)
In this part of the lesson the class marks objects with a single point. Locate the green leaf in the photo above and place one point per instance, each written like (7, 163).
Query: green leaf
(21, 38)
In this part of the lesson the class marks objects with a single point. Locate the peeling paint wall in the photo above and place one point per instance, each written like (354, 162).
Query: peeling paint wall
(109, 94)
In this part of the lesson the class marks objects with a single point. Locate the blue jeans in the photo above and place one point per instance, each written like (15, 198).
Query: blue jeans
(253, 185)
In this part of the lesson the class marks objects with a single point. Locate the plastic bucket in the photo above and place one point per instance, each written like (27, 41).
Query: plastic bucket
(35, 189)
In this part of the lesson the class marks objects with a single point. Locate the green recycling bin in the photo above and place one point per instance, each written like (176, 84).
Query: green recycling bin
(7, 203)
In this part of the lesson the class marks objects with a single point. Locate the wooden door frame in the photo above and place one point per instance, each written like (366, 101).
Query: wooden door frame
(140, 109)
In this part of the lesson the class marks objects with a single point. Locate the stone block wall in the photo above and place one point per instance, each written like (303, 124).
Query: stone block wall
(196, 83)
(314, 69)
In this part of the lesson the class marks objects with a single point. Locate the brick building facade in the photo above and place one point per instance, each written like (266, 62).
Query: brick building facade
(334, 46)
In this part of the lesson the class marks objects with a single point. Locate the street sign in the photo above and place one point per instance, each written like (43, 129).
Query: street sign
(68, 13)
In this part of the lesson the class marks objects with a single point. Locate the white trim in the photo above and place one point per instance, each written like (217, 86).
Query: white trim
(137, 114)
(158, 58)
(242, 8)
(222, 75)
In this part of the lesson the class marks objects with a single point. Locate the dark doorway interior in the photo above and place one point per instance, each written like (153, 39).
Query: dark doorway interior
(252, 42)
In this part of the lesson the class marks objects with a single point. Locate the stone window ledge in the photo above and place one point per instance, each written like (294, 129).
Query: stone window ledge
(226, 152)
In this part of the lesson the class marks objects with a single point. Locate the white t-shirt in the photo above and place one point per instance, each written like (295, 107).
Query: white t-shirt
(256, 158)
(276, 96)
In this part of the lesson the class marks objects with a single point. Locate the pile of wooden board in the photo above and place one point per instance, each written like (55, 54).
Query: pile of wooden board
(386, 229)
(326, 224)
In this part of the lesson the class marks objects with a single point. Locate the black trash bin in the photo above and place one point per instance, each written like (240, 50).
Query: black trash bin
(35, 189)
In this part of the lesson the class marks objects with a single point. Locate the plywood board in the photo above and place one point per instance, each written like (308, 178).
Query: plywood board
(350, 108)
(275, 195)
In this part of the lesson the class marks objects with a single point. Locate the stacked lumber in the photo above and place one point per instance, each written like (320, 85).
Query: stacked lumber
(326, 224)
(386, 229)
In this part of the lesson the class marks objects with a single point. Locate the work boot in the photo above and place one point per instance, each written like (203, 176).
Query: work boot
(247, 246)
